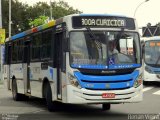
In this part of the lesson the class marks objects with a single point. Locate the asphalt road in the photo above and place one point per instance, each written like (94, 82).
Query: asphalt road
(35, 109)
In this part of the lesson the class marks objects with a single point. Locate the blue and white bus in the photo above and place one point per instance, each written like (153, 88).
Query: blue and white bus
(151, 53)
(68, 60)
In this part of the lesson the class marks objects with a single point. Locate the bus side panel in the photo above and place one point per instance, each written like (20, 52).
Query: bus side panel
(37, 75)
(154, 76)
(36, 78)
(54, 85)
(64, 88)
(6, 76)
(50, 74)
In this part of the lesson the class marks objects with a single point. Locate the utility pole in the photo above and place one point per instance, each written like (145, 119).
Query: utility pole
(0, 14)
(10, 21)
(1, 72)
(50, 10)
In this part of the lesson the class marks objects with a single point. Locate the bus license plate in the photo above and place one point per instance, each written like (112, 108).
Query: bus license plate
(108, 95)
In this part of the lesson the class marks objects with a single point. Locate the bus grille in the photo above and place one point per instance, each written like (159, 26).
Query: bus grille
(116, 82)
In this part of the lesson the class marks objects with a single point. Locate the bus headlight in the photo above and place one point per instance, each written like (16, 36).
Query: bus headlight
(138, 81)
(73, 80)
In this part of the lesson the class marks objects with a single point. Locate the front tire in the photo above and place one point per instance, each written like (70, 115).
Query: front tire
(50, 105)
(146, 83)
(106, 106)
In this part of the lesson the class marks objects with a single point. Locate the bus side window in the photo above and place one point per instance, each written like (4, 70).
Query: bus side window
(36, 46)
(7, 55)
(46, 44)
(20, 50)
(14, 52)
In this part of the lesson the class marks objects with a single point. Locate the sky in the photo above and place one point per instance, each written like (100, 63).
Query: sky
(147, 12)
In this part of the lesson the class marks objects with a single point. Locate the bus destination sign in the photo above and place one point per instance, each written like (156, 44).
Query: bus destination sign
(102, 21)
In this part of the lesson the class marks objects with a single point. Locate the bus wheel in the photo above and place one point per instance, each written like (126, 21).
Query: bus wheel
(146, 83)
(48, 96)
(106, 106)
(16, 96)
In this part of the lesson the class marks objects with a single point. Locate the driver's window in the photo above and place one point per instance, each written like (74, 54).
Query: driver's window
(126, 50)
(126, 46)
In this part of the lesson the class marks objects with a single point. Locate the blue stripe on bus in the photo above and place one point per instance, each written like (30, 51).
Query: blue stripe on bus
(117, 66)
(121, 66)
(22, 34)
(100, 82)
(88, 66)
(51, 73)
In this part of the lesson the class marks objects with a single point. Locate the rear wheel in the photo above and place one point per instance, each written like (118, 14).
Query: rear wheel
(15, 94)
(106, 106)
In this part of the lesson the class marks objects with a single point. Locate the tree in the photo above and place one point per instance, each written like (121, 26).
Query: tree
(24, 15)
(59, 9)
(19, 21)
(62, 8)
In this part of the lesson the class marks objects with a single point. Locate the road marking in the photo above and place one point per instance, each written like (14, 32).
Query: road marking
(147, 88)
(157, 92)
(38, 111)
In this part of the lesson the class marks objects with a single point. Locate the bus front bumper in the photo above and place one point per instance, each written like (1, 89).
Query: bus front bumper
(151, 77)
(82, 96)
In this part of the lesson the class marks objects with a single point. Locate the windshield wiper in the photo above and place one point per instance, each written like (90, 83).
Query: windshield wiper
(97, 42)
(93, 36)
(120, 34)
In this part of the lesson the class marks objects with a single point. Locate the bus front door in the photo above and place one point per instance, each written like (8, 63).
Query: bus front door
(59, 64)
(26, 67)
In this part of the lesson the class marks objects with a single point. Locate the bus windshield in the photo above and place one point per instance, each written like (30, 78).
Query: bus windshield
(152, 53)
(104, 49)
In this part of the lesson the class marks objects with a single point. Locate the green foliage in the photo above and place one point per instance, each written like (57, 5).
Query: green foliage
(38, 21)
(25, 16)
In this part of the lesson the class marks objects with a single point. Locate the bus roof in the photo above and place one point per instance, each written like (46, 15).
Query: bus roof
(35, 29)
(54, 22)
(115, 15)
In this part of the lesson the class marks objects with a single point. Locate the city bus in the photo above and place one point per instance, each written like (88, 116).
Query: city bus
(67, 60)
(151, 55)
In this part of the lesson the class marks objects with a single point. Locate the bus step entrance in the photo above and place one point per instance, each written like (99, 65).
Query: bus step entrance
(28, 94)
